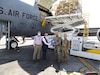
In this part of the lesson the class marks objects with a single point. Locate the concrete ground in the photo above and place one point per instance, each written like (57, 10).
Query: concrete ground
(21, 63)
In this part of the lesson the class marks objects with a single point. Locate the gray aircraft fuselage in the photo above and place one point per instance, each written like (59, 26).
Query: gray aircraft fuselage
(24, 18)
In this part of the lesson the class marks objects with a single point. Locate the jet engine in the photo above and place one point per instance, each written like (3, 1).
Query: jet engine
(98, 34)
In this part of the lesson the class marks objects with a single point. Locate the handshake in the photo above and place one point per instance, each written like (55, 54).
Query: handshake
(53, 42)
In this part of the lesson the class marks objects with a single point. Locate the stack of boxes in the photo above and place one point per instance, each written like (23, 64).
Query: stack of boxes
(67, 7)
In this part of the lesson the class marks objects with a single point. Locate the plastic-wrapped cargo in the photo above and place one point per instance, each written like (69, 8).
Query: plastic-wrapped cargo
(66, 7)
(42, 15)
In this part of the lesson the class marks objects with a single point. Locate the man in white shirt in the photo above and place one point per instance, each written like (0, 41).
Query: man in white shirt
(37, 46)
(45, 46)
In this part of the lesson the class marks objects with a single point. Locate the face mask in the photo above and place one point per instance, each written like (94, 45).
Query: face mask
(39, 34)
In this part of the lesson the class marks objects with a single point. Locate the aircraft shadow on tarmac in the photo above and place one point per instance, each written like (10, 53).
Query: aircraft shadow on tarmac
(24, 58)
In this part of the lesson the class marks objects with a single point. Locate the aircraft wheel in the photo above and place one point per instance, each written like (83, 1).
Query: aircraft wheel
(13, 44)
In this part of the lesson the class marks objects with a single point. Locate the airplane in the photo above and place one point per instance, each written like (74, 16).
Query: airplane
(18, 18)
(21, 19)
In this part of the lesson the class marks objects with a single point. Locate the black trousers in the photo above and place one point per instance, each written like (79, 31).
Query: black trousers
(44, 51)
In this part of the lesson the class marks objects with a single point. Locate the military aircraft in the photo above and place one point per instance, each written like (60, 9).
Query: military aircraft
(18, 18)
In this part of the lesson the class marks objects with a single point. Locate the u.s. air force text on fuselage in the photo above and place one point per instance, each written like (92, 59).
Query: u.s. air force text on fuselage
(17, 13)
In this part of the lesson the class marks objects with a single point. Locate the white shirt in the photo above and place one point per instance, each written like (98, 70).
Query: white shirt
(47, 43)
(37, 40)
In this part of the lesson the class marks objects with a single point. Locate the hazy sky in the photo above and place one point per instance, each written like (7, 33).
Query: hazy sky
(93, 8)
(31, 2)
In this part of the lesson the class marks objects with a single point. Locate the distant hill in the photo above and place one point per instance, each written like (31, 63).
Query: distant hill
(47, 3)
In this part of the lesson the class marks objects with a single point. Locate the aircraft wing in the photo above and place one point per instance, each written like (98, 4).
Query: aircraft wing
(65, 23)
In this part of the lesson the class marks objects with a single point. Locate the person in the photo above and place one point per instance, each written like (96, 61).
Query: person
(65, 48)
(57, 47)
(37, 46)
(23, 38)
(45, 43)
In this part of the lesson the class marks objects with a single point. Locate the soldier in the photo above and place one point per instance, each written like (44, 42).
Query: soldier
(23, 38)
(65, 48)
(57, 46)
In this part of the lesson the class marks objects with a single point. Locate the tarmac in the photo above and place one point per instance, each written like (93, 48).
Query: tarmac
(19, 62)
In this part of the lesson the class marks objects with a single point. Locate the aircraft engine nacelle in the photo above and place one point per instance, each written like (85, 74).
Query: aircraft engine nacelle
(98, 34)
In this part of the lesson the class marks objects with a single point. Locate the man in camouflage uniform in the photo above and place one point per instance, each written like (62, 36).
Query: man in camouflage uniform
(57, 46)
(65, 49)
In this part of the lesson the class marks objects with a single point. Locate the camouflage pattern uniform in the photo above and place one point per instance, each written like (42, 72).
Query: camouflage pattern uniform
(58, 48)
(65, 50)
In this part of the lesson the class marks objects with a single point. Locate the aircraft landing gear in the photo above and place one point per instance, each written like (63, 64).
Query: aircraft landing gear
(13, 44)
(11, 41)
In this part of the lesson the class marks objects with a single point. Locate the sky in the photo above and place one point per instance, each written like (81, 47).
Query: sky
(31, 2)
(91, 7)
